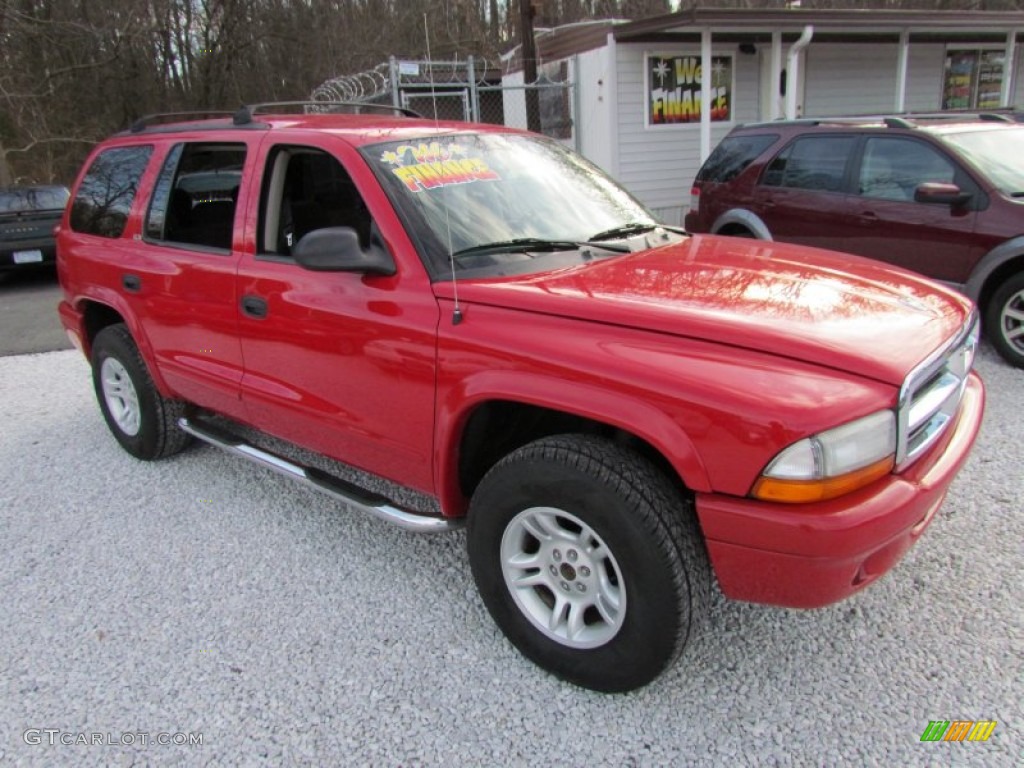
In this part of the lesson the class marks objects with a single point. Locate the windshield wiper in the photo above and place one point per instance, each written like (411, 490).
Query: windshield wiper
(532, 244)
(625, 230)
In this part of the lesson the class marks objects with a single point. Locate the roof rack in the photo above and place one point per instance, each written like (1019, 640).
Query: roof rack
(845, 120)
(905, 120)
(158, 118)
(245, 113)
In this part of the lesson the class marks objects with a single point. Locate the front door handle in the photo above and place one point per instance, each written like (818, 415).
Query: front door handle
(254, 306)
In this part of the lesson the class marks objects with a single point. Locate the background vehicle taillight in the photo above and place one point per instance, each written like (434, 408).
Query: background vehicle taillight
(695, 198)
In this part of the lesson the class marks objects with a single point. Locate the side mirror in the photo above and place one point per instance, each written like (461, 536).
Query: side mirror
(938, 193)
(337, 249)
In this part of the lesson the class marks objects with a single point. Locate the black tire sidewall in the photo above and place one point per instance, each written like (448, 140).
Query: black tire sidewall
(994, 319)
(116, 343)
(646, 642)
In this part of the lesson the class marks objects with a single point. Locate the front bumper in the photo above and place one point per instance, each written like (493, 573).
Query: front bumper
(809, 555)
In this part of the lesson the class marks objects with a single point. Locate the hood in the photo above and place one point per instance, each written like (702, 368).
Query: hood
(835, 310)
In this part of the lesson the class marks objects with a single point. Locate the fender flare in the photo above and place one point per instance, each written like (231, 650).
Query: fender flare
(744, 218)
(622, 411)
(990, 262)
(115, 301)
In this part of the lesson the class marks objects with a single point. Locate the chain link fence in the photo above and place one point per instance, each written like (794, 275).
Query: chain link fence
(467, 90)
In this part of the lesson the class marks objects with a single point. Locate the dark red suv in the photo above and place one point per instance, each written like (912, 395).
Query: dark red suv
(940, 194)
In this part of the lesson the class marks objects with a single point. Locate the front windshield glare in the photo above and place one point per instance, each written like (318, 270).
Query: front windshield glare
(473, 190)
(998, 153)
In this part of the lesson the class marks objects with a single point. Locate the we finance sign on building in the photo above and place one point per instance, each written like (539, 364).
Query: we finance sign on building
(674, 89)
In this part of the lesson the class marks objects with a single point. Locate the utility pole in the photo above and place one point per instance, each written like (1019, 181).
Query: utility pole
(528, 51)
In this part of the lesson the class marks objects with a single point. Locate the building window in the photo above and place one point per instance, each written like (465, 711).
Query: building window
(674, 89)
(973, 79)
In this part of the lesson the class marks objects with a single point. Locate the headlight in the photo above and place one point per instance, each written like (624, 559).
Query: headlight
(831, 463)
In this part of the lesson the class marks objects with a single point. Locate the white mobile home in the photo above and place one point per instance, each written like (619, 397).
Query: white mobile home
(639, 89)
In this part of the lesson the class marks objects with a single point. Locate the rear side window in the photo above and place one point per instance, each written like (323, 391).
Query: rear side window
(105, 196)
(733, 156)
(813, 162)
(195, 195)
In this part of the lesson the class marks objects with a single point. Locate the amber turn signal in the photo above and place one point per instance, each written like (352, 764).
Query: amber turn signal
(804, 491)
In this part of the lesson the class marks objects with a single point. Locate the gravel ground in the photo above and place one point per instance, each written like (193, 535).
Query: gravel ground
(204, 595)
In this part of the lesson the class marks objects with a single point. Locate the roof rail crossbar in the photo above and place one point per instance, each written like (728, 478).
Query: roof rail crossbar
(245, 113)
(156, 118)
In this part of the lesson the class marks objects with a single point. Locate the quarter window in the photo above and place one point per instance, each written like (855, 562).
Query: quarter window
(733, 156)
(105, 196)
(817, 162)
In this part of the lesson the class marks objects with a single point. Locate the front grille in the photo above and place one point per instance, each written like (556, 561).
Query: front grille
(931, 394)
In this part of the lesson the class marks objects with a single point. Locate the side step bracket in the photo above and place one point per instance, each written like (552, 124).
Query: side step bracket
(353, 495)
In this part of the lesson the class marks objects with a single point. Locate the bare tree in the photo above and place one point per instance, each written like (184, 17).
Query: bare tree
(72, 71)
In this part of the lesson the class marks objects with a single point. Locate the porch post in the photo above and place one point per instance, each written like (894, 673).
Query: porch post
(901, 71)
(1009, 68)
(705, 94)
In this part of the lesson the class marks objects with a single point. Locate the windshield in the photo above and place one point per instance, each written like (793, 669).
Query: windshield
(998, 153)
(464, 193)
(16, 200)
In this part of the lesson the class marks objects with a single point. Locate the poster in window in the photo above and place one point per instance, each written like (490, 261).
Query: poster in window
(674, 89)
(973, 80)
(990, 80)
(956, 92)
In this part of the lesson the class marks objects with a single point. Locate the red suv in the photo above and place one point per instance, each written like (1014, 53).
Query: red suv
(446, 324)
(941, 194)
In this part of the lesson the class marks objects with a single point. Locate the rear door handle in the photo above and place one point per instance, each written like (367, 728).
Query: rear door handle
(254, 306)
(131, 283)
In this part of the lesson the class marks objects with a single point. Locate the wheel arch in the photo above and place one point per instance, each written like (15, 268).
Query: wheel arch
(741, 217)
(997, 265)
(525, 408)
(99, 313)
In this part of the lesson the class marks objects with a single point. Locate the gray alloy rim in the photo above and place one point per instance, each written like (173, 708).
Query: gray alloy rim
(563, 577)
(120, 396)
(1012, 321)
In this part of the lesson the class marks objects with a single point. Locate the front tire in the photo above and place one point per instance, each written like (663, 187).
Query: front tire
(143, 421)
(1004, 320)
(589, 560)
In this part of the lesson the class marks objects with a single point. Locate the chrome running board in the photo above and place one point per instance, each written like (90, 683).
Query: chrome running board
(353, 495)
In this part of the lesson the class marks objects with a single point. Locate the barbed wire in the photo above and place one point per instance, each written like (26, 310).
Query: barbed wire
(375, 84)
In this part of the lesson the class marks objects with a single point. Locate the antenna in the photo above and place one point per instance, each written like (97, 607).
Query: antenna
(457, 312)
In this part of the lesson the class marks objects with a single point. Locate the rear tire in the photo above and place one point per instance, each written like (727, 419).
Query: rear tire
(143, 421)
(1004, 320)
(589, 560)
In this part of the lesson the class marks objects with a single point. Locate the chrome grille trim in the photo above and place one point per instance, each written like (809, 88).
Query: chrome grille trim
(931, 394)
